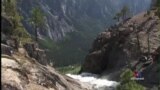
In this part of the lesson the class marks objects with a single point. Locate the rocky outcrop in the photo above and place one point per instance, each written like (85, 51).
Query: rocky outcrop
(123, 43)
(6, 25)
(5, 49)
(34, 52)
(24, 73)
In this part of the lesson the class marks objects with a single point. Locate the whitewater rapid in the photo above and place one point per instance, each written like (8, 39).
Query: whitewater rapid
(96, 82)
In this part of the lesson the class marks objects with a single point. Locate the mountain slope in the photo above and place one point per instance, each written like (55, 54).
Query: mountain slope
(71, 25)
(62, 16)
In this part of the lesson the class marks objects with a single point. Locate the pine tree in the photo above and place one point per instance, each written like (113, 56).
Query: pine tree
(11, 12)
(9, 8)
(37, 20)
(125, 12)
(118, 17)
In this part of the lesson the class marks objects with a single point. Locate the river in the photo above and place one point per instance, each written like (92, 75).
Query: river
(96, 82)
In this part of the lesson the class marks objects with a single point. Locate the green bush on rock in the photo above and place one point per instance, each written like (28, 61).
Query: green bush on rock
(127, 83)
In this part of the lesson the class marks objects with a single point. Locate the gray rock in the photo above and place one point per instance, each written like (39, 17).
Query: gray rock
(34, 52)
(5, 49)
(21, 73)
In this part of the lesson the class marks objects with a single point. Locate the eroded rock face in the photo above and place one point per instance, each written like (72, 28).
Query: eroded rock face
(5, 49)
(24, 73)
(34, 52)
(123, 43)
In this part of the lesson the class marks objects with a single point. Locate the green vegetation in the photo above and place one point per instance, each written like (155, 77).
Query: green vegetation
(127, 83)
(48, 43)
(37, 20)
(69, 69)
(117, 17)
(9, 10)
(64, 53)
(123, 14)
(158, 7)
(73, 49)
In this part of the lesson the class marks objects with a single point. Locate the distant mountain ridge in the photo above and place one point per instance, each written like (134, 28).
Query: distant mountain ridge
(62, 16)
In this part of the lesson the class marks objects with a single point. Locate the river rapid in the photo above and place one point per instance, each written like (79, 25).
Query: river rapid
(95, 81)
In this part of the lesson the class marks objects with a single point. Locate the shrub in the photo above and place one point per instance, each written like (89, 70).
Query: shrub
(127, 83)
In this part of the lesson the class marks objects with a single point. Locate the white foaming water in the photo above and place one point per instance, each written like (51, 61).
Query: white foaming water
(97, 83)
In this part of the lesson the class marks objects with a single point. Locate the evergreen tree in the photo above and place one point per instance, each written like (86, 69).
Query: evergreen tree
(125, 12)
(118, 17)
(158, 7)
(37, 20)
(9, 10)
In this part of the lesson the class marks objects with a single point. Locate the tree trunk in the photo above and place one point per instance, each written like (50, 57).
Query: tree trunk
(36, 33)
(138, 42)
(16, 44)
(148, 44)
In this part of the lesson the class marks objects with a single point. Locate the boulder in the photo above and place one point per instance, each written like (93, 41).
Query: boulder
(22, 51)
(12, 42)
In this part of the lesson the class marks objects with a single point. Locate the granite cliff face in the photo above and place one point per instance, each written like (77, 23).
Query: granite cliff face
(118, 44)
(66, 15)
(124, 43)
(24, 73)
